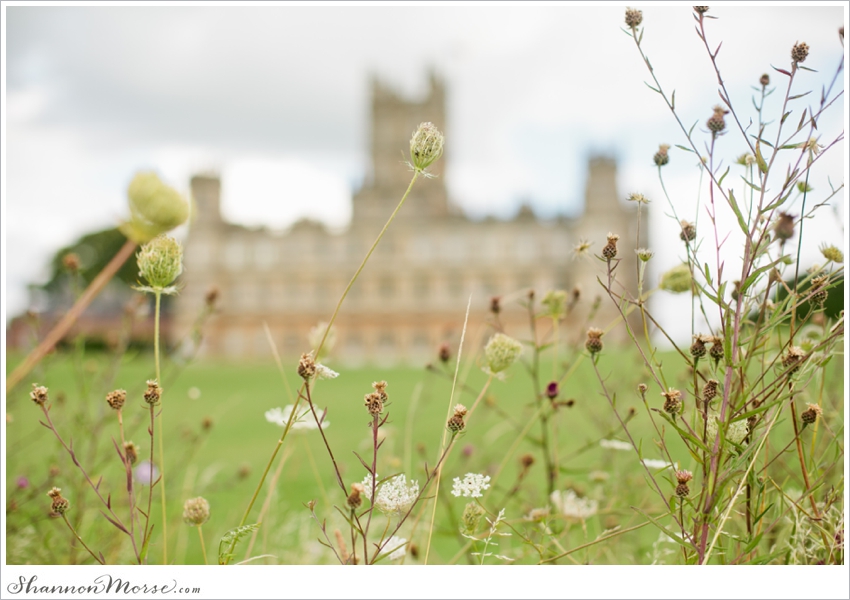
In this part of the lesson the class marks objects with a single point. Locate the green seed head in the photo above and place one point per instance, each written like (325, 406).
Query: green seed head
(160, 261)
(426, 146)
(501, 352)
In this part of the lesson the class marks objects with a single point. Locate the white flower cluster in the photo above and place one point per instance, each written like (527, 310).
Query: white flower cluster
(652, 463)
(396, 546)
(471, 485)
(305, 420)
(615, 445)
(393, 495)
(570, 505)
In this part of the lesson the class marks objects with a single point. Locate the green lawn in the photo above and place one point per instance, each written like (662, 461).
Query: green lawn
(224, 462)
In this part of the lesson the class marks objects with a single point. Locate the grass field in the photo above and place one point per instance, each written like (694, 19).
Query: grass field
(223, 460)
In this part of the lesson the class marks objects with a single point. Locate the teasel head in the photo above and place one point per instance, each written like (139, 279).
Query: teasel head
(672, 401)
(154, 393)
(661, 157)
(355, 499)
(426, 146)
(688, 232)
(593, 344)
(115, 399)
(811, 414)
(39, 394)
(610, 249)
(634, 17)
(58, 505)
(455, 423)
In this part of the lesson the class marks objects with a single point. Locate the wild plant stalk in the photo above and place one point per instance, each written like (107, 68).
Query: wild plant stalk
(157, 313)
(79, 539)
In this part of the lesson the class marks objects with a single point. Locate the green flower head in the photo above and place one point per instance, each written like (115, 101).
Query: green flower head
(501, 352)
(160, 262)
(155, 208)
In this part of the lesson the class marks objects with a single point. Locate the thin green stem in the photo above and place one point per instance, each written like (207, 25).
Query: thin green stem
(79, 539)
(203, 546)
(157, 315)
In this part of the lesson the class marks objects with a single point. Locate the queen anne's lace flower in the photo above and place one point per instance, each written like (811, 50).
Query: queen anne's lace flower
(304, 420)
(570, 505)
(471, 485)
(615, 445)
(394, 495)
(396, 546)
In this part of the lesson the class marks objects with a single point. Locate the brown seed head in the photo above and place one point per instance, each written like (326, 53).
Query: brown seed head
(610, 249)
(698, 349)
(381, 389)
(672, 401)
(682, 490)
(154, 393)
(701, 9)
(59, 505)
(374, 404)
(661, 157)
(716, 123)
(811, 415)
(716, 351)
(131, 451)
(793, 358)
(784, 227)
(709, 390)
(764, 80)
(455, 423)
(689, 231)
(116, 399)
(445, 352)
(593, 344)
(71, 262)
(526, 460)
(818, 290)
(39, 394)
(496, 305)
(634, 17)
(354, 500)
(307, 366)
(799, 52)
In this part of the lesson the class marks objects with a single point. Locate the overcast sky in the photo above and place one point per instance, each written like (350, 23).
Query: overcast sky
(276, 100)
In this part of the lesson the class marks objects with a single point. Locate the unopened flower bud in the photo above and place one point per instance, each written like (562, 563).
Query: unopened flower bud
(610, 249)
(154, 393)
(455, 423)
(672, 401)
(58, 505)
(661, 157)
(426, 146)
(593, 344)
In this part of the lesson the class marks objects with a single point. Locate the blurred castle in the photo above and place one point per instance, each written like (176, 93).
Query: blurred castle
(413, 293)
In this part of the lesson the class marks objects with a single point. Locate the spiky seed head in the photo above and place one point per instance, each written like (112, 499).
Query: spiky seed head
(682, 490)
(672, 401)
(354, 499)
(196, 511)
(764, 80)
(784, 227)
(39, 394)
(593, 344)
(661, 157)
(698, 349)
(445, 352)
(811, 415)
(455, 422)
(58, 505)
(306, 366)
(634, 17)
(131, 451)
(688, 232)
(501, 352)
(799, 52)
(832, 253)
(160, 261)
(793, 358)
(116, 399)
(701, 9)
(709, 390)
(154, 393)
(426, 146)
(610, 249)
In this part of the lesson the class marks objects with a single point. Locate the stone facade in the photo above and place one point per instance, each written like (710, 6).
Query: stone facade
(413, 293)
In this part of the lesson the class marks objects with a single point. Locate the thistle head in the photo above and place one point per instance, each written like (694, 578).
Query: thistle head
(58, 505)
(634, 17)
(116, 399)
(39, 394)
(799, 52)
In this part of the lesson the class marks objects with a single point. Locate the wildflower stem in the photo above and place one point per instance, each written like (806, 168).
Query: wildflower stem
(157, 315)
(148, 527)
(79, 539)
(203, 546)
(64, 325)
